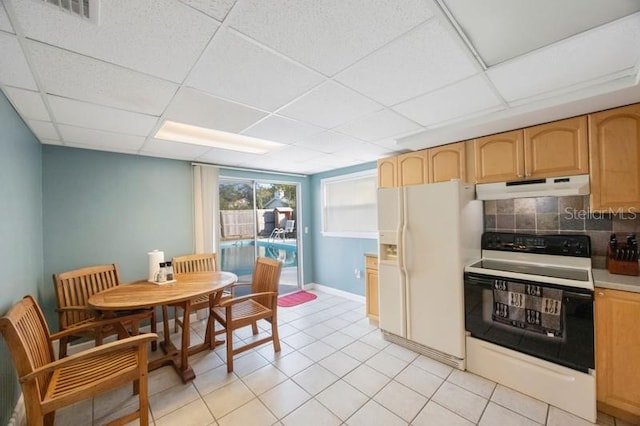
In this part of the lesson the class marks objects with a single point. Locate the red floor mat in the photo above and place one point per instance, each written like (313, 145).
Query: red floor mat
(296, 298)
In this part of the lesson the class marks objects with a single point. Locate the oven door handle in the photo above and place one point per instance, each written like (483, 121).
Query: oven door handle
(484, 282)
(581, 296)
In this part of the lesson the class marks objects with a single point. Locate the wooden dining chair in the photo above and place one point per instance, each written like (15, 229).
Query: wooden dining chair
(205, 262)
(48, 385)
(242, 311)
(73, 289)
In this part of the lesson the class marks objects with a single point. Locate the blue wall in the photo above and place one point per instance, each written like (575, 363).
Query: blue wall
(335, 259)
(21, 255)
(102, 207)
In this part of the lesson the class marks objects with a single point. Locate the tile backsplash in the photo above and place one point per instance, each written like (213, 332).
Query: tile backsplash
(554, 215)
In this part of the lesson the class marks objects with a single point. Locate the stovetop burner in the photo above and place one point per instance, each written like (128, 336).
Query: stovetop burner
(564, 260)
(532, 269)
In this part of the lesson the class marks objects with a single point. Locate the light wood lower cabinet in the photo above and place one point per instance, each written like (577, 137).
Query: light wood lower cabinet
(617, 323)
(371, 283)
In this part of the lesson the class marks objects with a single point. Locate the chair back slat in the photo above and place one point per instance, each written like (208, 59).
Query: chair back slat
(266, 277)
(27, 335)
(73, 288)
(205, 262)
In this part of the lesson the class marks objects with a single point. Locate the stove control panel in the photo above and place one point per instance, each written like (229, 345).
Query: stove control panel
(554, 244)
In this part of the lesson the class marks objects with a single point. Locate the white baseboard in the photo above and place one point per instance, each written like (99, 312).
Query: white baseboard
(335, 292)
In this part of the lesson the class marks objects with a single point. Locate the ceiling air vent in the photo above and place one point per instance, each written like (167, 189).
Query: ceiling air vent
(85, 9)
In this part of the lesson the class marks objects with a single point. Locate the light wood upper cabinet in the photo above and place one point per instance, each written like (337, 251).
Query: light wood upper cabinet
(614, 149)
(557, 149)
(617, 315)
(553, 149)
(432, 165)
(448, 162)
(388, 172)
(499, 158)
(413, 168)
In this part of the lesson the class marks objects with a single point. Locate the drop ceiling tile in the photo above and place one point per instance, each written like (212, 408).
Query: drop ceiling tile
(217, 9)
(461, 99)
(5, 25)
(327, 162)
(379, 125)
(423, 60)
(29, 104)
(16, 71)
(43, 129)
(250, 74)
(75, 76)
(362, 152)
(100, 138)
(199, 109)
(288, 155)
(82, 114)
(526, 26)
(327, 35)
(390, 144)
(330, 105)
(162, 148)
(146, 35)
(370, 152)
(329, 142)
(595, 54)
(281, 129)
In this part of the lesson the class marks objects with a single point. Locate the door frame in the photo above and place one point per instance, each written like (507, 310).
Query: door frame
(299, 217)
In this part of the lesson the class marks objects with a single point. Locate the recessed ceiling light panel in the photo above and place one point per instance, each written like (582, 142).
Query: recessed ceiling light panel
(186, 133)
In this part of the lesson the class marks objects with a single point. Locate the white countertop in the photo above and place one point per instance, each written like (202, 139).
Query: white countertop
(602, 278)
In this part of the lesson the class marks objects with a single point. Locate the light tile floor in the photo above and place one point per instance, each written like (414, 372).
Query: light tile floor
(334, 369)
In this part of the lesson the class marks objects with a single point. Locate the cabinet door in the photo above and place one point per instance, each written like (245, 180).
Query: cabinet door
(413, 168)
(372, 293)
(387, 172)
(557, 149)
(617, 316)
(447, 162)
(614, 148)
(499, 158)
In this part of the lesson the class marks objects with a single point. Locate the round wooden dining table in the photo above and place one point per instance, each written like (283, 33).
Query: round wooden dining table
(143, 294)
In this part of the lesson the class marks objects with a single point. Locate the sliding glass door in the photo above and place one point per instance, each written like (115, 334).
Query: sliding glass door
(259, 218)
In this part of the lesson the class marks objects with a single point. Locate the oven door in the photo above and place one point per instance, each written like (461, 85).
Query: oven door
(571, 345)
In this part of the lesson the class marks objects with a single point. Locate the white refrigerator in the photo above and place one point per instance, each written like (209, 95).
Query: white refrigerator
(427, 233)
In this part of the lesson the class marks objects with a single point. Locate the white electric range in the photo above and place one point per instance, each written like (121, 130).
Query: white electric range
(529, 317)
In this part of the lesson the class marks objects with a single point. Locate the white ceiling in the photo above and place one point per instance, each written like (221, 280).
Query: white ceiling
(339, 82)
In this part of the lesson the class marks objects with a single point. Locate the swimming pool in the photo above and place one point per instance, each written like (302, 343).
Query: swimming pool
(238, 256)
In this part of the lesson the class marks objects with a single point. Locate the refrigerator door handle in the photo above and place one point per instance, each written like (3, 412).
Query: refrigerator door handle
(403, 263)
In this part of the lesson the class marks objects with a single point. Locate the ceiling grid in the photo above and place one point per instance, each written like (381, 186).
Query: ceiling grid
(336, 83)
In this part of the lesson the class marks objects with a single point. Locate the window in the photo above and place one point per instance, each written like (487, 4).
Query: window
(349, 205)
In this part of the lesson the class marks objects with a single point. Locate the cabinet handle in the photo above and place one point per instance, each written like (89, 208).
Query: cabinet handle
(600, 293)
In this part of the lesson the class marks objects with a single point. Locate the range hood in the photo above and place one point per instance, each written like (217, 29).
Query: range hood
(546, 187)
